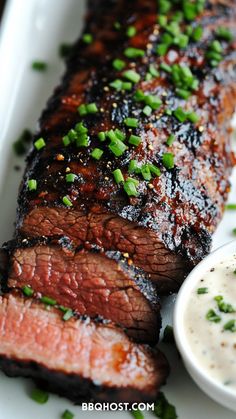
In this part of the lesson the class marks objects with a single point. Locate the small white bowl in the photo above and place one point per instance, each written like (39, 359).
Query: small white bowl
(217, 391)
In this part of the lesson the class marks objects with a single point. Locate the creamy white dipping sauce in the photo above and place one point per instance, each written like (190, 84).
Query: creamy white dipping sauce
(212, 334)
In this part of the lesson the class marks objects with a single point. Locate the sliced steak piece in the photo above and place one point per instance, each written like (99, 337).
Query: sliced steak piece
(167, 227)
(90, 282)
(80, 359)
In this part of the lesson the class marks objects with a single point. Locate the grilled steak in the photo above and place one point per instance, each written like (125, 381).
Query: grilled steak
(78, 358)
(167, 227)
(90, 282)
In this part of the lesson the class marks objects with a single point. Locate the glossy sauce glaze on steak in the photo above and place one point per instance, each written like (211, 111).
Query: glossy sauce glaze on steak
(90, 282)
(81, 359)
(132, 156)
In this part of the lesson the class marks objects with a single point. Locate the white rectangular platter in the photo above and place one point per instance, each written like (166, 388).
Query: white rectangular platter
(32, 30)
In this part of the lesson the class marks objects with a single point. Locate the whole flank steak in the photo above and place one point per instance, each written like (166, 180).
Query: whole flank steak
(125, 183)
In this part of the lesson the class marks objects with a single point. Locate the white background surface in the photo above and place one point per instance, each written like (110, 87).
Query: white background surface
(33, 29)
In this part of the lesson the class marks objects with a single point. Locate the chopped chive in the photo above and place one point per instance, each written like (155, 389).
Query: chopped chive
(181, 40)
(180, 114)
(65, 50)
(132, 76)
(165, 67)
(170, 140)
(39, 66)
(66, 201)
(32, 184)
(164, 6)
(193, 117)
(39, 396)
(154, 170)
(97, 153)
(190, 11)
(216, 46)
(67, 415)
(102, 136)
(163, 409)
(117, 147)
(118, 176)
(224, 307)
(153, 101)
(68, 314)
(131, 52)
(153, 71)
(147, 110)
(230, 325)
(126, 85)
(184, 94)
(82, 141)
(145, 171)
(72, 134)
(131, 122)
(70, 177)
(133, 165)
(28, 291)
(47, 300)
(87, 38)
(197, 33)
(168, 160)
(39, 144)
(131, 31)
(92, 108)
(230, 206)
(82, 110)
(161, 49)
(139, 96)
(116, 84)
(119, 134)
(162, 20)
(224, 33)
(135, 140)
(202, 290)
(130, 187)
(118, 64)
(80, 128)
(137, 414)
(212, 316)
(66, 140)
(168, 335)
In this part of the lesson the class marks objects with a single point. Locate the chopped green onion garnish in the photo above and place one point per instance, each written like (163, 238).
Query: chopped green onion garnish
(32, 184)
(165, 67)
(184, 94)
(170, 140)
(164, 6)
(102, 136)
(117, 147)
(193, 117)
(90, 108)
(133, 165)
(39, 144)
(49, 301)
(119, 134)
(224, 307)
(130, 187)
(153, 71)
(154, 170)
(224, 33)
(216, 46)
(137, 414)
(118, 64)
(131, 52)
(135, 140)
(202, 290)
(212, 316)
(80, 128)
(230, 206)
(147, 110)
(28, 291)
(162, 20)
(70, 177)
(131, 122)
(87, 38)
(161, 50)
(82, 141)
(180, 114)
(168, 160)
(97, 153)
(197, 33)
(132, 76)
(116, 84)
(66, 140)
(39, 396)
(82, 110)
(72, 134)
(66, 201)
(39, 66)
(234, 231)
(145, 171)
(131, 31)
(230, 325)
(118, 176)
(68, 314)
(67, 415)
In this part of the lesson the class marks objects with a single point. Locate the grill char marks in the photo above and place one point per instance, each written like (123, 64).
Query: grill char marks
(168, 228)
(90, 282)
(79, 359)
